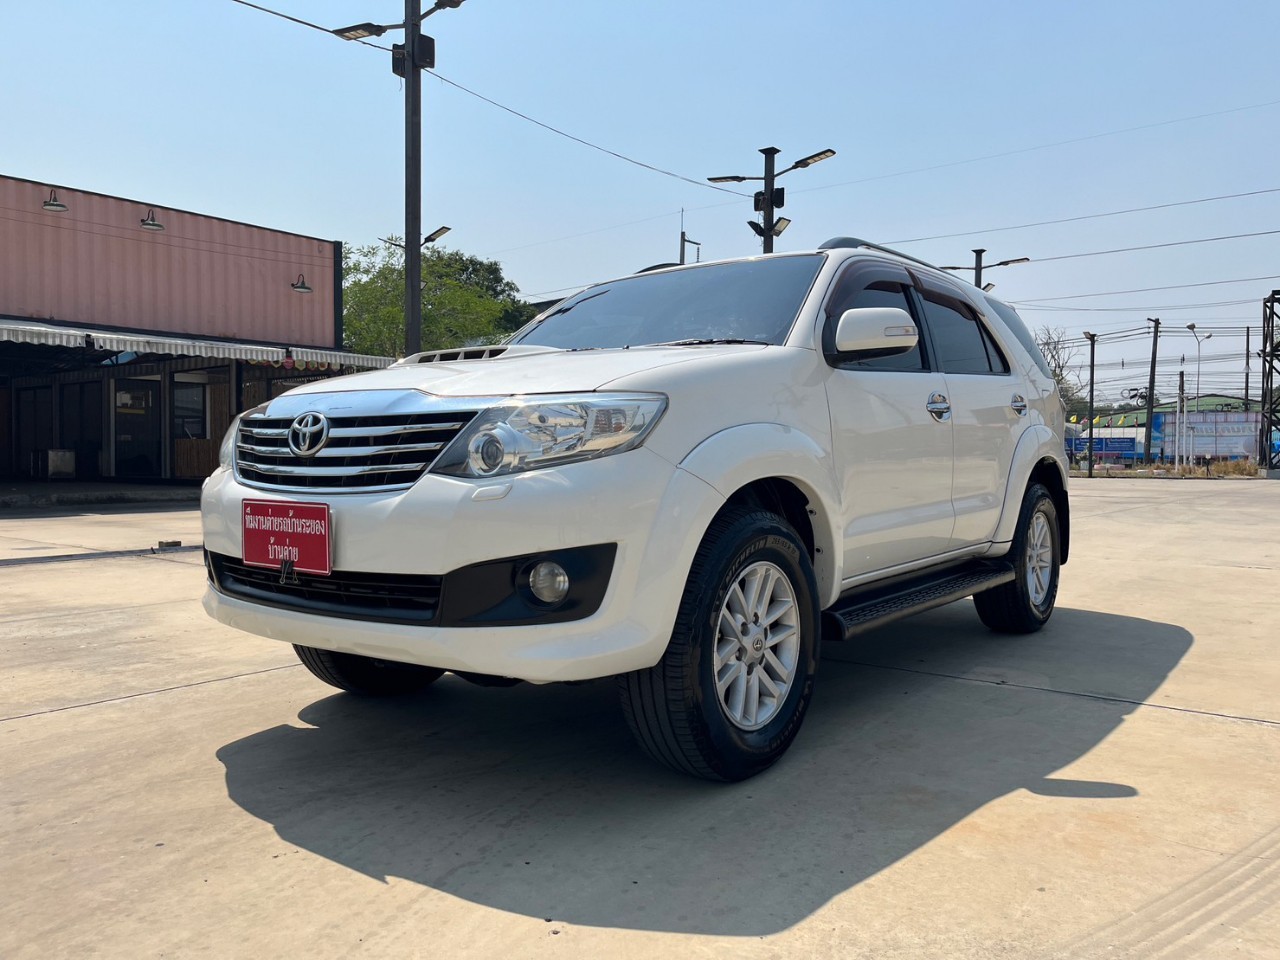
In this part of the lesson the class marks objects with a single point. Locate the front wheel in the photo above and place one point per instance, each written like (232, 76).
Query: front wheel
(728, 696)
(365, 675)
(1025, 604)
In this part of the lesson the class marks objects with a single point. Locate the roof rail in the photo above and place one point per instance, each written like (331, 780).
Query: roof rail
(838, 242)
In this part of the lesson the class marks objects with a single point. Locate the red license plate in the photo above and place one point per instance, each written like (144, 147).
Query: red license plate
(277, 531)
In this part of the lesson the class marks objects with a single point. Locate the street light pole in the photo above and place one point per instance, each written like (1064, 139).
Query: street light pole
(412, 182)
(1207, 336)
(416, 54)
(978, 266)
(770, 153)
(768, 200)
(1093, 343)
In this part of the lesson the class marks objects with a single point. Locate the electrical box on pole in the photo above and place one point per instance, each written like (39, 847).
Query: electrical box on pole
(426, 55)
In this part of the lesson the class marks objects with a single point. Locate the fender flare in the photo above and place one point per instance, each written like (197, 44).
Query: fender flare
(1036, 445)
(740, 455)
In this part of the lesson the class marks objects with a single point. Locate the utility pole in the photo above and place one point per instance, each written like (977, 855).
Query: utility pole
(1093, 343)
(977, 266)
(1151, 388)
(1248, 332)
(1180, 446)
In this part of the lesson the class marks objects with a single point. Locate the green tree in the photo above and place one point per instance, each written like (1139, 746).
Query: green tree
(465, 300)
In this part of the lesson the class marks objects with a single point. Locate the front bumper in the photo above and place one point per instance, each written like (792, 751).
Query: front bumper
(653, 511)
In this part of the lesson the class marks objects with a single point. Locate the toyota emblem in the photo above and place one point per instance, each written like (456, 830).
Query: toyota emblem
(308, 433)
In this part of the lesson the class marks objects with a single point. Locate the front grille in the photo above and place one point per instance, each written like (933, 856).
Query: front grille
(381, 597)
(362, 454)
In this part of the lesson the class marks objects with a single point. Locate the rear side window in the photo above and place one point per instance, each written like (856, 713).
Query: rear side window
(1021, 334)
(960, 341)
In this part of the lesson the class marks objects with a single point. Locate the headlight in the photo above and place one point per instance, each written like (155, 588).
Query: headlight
(527, 433)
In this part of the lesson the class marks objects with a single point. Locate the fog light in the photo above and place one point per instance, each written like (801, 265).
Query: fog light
(549, 582)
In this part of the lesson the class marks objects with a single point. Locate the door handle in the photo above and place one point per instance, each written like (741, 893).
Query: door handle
(939, 406)
(1019, 405)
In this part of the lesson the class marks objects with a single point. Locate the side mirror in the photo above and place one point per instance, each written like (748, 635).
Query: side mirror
(871, 332)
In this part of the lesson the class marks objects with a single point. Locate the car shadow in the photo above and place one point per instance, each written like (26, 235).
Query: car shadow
(534, 800)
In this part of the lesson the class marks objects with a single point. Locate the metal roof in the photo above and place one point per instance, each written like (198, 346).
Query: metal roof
(90, 338)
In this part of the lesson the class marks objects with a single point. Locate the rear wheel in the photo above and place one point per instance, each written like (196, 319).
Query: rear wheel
(729, 695)
(365, 675)
(1025, 604)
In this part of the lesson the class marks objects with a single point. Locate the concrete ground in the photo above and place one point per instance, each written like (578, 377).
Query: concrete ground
(32, 533)
(1108, 788)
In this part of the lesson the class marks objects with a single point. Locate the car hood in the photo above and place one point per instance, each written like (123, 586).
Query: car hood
(524, 370)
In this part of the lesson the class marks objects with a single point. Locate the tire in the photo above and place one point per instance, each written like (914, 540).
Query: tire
(365, 675)
(1025, 604)
(675, 708)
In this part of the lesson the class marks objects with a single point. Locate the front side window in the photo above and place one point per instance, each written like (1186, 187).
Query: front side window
(867, 284)
(961, 342)
(753, 300)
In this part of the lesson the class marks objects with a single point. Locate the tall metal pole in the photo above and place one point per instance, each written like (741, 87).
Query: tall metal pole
(412, 181)
(1151, 388)
(1179, 446)
(1248, 333)
(977, 266)
(769, 154)
(1093, 343)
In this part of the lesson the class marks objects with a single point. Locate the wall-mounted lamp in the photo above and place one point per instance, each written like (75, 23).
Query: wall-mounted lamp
(150, 222)
(300, 285)
(53, 204)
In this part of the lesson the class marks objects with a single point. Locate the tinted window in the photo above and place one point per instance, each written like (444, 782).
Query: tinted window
(885, 293)
(1021, 333)
(963, 345)
(747, 300)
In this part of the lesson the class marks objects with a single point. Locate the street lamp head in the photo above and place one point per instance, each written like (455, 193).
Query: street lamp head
(813, 158)
(1009, 263)
(727, 179)
(435, 235)
(988, 287)
(1208, 336)
(759, 230)
(779, 225)
(360, 31)
(1191, 327)
(1090, 336)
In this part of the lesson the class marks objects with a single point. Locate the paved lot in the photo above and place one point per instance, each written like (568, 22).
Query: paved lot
(63, 531)
(1109, 788)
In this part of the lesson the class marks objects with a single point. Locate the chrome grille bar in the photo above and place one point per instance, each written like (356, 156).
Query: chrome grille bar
(377, 441)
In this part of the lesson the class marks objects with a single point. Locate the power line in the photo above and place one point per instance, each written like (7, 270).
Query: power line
(1092, 216)
(1155, 246)
(514, 112)
(1175, 286)
(1027, 307)
(1044, 146)
(304, 23)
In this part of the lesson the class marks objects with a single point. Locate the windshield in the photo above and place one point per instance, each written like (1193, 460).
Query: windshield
(748, 300)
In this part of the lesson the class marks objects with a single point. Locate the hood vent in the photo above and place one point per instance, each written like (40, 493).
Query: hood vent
(461, 353)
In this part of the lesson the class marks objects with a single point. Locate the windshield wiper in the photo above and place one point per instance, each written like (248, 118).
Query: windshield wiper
(700, 341)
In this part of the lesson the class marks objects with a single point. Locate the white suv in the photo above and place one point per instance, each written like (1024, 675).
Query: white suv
(685, 478)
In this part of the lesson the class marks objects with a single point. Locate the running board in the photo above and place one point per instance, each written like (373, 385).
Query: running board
(874, 605)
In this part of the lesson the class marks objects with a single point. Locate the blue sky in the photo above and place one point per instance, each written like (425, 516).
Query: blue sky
(210, 106)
